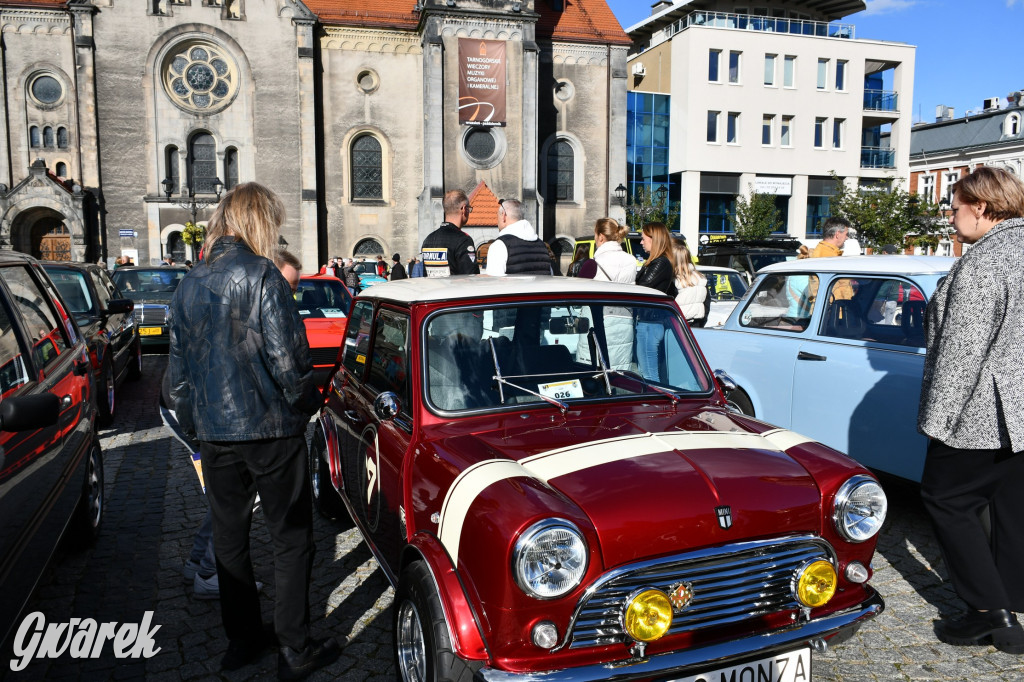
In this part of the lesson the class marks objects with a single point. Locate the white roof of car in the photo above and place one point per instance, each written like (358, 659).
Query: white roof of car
(868, 265)
(716, 268)
(429, 289)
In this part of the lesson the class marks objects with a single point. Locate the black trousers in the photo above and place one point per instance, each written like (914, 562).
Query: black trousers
(276, 468)
(956, 486)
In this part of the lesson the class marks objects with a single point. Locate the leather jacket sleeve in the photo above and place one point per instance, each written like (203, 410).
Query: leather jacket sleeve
(657, 274)
(180, 391)
(285, 347)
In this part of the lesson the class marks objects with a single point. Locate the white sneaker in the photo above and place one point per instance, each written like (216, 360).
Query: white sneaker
(209, 588)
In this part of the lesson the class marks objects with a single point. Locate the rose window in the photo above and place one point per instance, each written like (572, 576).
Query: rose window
(200, 78)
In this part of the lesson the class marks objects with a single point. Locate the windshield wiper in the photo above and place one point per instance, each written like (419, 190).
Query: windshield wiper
(502, 382)
(592, 338)
(629, 374)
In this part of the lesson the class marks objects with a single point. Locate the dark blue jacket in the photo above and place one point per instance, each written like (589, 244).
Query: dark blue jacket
(239, 359)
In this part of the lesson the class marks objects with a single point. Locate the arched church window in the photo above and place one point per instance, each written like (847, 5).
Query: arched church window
(561, 171)
(202, 163)
(62, 138)
(61, 170)
(34, 138)
(200, 77)
(230, 168)
(367, 171)
(368, 247)
(48, 140)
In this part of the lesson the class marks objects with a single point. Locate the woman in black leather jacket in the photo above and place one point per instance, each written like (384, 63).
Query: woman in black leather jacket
(658, 272)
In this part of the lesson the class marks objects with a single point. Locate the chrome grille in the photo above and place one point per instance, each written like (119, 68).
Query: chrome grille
(151, 315)
(324, 356)
(730, 584)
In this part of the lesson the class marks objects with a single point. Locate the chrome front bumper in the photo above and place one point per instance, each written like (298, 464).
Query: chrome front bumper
(692, 661)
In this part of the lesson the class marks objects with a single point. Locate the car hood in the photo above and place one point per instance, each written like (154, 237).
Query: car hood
(706, 479)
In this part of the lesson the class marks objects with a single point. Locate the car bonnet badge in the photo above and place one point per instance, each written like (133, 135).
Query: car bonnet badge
(724, 516)
(681, 596)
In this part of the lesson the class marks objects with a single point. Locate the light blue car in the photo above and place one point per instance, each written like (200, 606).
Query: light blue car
(833, 348)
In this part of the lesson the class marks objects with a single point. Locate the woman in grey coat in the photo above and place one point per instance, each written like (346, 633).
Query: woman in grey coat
(972, 408)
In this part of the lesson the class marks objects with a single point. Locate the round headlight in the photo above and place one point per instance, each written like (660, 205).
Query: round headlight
(550, 559)
(647, 616)
(859, 509)
(816, 583)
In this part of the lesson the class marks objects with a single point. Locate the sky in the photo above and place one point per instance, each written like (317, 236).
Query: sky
(966, 51)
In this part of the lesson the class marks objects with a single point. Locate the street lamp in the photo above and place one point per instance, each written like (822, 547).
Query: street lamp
(192, 205)
(620, 195)
(662, 192)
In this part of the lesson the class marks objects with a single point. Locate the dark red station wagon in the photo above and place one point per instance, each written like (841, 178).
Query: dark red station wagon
(549, 474)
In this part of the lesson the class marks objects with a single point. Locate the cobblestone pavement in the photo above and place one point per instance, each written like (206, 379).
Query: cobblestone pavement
(154, 505)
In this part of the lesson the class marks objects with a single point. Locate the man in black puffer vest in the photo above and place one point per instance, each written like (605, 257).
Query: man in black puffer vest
(517, 250)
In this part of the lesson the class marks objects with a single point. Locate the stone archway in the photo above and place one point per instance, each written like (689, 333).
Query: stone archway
(43, 233)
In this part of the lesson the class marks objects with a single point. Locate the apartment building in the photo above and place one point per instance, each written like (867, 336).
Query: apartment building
(725, 98)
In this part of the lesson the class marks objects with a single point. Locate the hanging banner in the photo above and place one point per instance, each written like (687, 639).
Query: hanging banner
(481, 82)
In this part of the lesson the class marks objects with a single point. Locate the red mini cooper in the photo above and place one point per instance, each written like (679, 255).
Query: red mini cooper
(550, 476)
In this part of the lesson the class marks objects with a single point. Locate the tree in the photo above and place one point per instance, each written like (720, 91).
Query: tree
(756, 217)
(884, 216)
(645, 208)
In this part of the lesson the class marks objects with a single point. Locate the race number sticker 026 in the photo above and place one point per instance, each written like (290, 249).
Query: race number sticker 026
(561, 390)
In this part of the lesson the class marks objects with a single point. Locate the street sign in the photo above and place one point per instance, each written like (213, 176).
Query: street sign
(126, 233)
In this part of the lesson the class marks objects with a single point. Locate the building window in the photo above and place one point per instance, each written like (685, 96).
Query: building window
(367, 168)
(34, 138)
(948, 180)
(734, 67)
(48, 139)
(926, 186)
(62, 138)
(822, 73)
(786, 132)
(718, 192)
(561, 171)
(819, 132)
(769, 70)
(714, 58)
(61, 170)
(46, 91)
(368, 247)
(713, 126)
(647, 142)
(201, 164)
(837, 133)
(819, 193)
(230, 167)
(732, 128)
(840, 75)
(789, 71)
(1011, 126)
(767, 124)
(200, 77)
(171, 168)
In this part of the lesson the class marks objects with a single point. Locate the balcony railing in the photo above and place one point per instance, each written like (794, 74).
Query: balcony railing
(877, 157)
(751, 22)
(881, 100)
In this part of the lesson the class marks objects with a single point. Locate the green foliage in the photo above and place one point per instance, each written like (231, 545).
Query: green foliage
(645, 208)
(756, 217)
(887, 217)
(193, 234)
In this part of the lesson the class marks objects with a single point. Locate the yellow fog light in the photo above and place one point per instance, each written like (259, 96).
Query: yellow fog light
(647, 616)
(816, 584)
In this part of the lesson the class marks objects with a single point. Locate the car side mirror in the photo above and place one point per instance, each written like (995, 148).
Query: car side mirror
(387, 406)
(29, 412)
(119, 306)
(726, 382)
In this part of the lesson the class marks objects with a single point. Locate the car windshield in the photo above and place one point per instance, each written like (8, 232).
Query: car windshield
(322, 298)
(725, 286)
(73, 289)
(558, 352)
(155, 285)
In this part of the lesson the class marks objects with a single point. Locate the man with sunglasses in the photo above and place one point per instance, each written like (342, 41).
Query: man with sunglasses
(448, 250)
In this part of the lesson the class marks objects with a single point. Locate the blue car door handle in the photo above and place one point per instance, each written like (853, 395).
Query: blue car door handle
(804, 355)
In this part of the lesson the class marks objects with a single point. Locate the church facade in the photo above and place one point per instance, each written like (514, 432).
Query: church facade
(127, 119)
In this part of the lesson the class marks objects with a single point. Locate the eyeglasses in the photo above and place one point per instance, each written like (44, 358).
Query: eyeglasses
(467, 208)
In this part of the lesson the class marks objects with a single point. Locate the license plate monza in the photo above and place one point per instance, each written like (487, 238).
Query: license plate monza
(150, 331)
(793, 666)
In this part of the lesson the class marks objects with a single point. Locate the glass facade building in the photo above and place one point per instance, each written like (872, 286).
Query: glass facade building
(647, 140)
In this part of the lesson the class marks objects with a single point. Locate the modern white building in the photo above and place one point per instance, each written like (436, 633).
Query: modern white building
(771, 97)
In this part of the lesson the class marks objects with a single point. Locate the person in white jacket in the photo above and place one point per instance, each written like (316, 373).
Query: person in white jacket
(693, 287)
(611, 264)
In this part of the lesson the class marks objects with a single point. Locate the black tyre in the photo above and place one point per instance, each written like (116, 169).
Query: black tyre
(741, 401)
(423, 650)
(88, 518)
(106, 398)
(135, 363)
(325, 498)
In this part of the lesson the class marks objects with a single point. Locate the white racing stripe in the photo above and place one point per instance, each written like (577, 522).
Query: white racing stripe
(554, 463)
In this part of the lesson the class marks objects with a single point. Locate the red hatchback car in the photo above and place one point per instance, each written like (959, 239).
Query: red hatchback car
(546, 511)
(324, 303)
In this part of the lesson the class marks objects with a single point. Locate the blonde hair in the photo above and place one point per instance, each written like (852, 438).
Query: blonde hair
(1002, 192)
(661, 242)
(610, 229)
(685, 270)
(250, 212)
